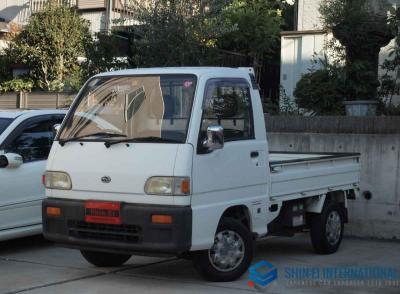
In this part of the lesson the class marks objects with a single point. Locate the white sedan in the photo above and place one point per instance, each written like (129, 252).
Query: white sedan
(26, 137)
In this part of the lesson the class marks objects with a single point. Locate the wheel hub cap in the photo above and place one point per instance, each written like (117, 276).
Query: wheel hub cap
(333, 227)
(227, 252)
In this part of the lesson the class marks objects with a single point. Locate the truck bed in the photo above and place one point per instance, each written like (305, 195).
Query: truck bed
(297, 175)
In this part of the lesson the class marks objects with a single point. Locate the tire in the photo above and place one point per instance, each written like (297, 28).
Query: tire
(237, 250)
(327, 229)
(105, 259)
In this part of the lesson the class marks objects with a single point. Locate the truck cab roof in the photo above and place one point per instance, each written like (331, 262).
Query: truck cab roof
(14, 113)
(198, 71)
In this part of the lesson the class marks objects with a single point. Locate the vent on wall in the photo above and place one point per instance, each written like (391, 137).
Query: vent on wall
(91, 4)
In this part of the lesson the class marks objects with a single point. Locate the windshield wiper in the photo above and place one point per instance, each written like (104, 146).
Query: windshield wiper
(98, 134)
(108, 144)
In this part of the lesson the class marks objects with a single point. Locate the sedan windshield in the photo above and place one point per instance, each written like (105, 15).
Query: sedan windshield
(133, 108)
(4, 123)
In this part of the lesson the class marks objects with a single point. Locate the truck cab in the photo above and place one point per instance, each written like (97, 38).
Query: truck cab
(175, 161)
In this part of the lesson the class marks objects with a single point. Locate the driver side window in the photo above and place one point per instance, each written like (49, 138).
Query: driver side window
(34, 142)
(227, 103)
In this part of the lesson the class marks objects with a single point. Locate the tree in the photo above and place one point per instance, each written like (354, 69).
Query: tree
(255, 28)
(390, 81)
(363, 30)
(50, 45)
(103, 54)
(175, 33)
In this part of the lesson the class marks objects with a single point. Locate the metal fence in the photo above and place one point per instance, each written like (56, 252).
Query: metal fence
(36, 100)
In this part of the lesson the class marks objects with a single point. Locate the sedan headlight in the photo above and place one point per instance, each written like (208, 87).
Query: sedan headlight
(169, 186)
(57, 180)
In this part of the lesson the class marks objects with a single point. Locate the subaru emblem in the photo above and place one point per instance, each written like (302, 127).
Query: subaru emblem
(106, 180)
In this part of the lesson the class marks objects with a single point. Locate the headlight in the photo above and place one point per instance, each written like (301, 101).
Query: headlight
(170, 186)
(57, 180)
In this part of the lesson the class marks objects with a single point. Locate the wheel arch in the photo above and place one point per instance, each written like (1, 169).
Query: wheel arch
(240, 213)
(316, 204)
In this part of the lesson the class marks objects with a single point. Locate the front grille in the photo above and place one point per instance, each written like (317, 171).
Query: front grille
(123, 233)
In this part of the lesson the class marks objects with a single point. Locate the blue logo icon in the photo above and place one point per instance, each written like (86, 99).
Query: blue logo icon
(262, 274)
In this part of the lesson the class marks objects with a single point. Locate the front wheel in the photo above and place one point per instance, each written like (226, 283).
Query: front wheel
(327, 229)
(230, 255)
(105, 259)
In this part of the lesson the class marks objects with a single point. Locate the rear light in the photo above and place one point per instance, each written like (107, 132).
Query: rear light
(44, 180)
(53, 211)
(161, 219)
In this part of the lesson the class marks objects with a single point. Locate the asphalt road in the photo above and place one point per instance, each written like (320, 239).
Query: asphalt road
(32, 265)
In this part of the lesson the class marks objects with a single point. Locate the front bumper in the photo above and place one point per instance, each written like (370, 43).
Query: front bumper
(136, 234)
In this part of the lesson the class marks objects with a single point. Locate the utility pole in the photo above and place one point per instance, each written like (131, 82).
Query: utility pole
(109, 4)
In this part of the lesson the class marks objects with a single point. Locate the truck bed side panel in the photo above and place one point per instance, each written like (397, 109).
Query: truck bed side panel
(317, 175)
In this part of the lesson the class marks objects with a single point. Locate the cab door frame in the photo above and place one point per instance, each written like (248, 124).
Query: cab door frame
(222, 180)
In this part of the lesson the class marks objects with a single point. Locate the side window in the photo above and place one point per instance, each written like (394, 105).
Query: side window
(34, 142)
(227, 103)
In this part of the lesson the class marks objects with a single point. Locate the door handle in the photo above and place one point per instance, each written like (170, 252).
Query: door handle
(254, 154)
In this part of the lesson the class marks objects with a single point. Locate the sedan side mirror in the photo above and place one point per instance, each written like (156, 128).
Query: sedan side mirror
(56, 128)
(215, 138)
(10, 160)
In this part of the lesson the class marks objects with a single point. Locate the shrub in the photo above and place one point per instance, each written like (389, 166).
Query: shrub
(16, 85)
(319, 92)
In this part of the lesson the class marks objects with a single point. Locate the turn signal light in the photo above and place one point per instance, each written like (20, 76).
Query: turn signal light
(185, 186)
(161, 219)
(53, 211)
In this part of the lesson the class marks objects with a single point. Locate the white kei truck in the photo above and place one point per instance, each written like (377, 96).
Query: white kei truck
(175, 162)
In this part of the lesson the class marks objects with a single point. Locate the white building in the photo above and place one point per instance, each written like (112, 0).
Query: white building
(300, 47)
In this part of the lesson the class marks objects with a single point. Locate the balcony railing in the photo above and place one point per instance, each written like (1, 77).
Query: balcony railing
(122, 14)
(37, 5)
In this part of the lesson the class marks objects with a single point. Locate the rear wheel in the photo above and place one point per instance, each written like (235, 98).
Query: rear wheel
(327, 229)
(230, 255)
(105, 259)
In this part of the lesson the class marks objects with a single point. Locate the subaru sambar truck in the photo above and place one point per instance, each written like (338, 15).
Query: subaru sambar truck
(175, 162)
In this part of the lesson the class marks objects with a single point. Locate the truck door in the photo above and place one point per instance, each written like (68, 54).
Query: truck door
(237, 173)
(21, 187)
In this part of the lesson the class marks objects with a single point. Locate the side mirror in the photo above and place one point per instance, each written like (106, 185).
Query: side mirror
(215, 138)
(56, 128)
(10, 160)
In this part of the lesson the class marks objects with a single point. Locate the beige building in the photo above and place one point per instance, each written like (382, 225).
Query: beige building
(102, 14)
(301, 46)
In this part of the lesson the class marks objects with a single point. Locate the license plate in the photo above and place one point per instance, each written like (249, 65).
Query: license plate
(101, 212)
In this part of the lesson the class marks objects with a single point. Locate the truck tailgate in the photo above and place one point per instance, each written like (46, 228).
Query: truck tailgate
(297, 175)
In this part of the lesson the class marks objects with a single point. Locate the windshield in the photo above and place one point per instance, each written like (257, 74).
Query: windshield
(4, 123)
(133, 107)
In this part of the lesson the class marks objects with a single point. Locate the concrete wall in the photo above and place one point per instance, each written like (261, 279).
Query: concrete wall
(378, 141)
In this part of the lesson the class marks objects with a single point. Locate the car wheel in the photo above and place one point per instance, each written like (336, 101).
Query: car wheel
(105, 259)
(230, 255)
(327, 229)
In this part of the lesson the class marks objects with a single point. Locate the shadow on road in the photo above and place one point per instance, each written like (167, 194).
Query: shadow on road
(21, 244)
